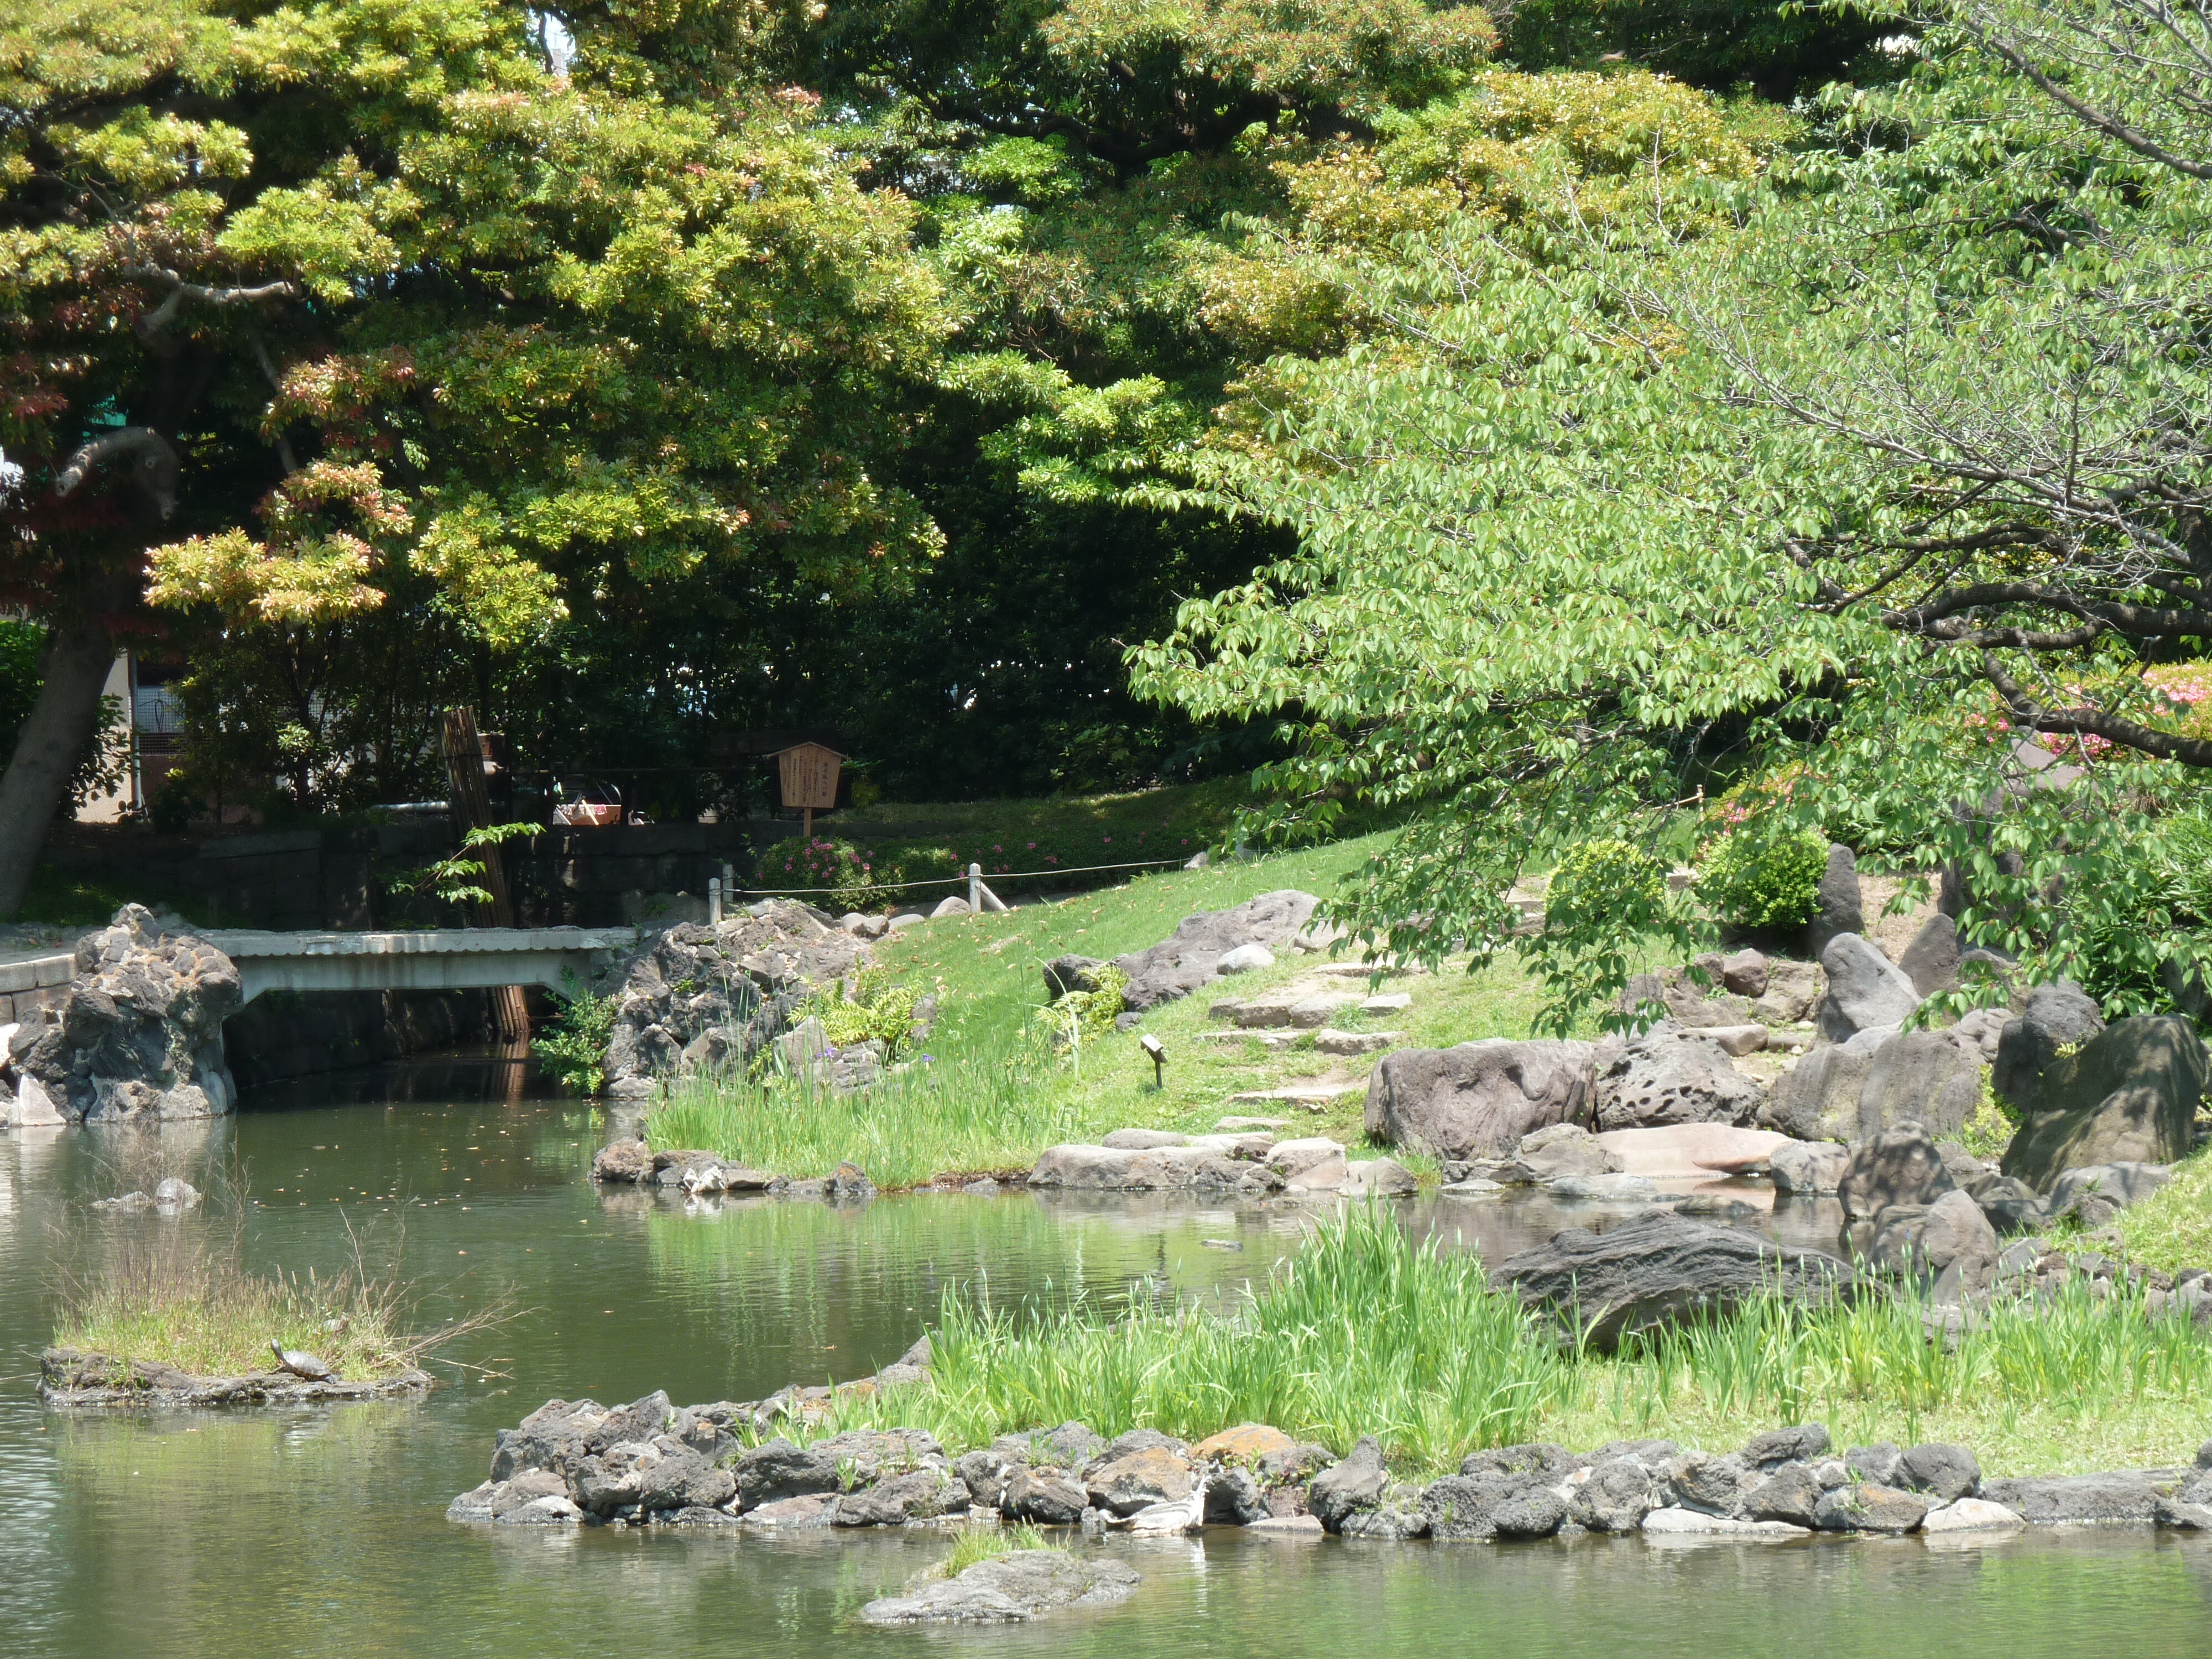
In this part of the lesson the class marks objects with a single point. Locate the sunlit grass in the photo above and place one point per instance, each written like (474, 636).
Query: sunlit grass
(2173, 1228)
(1366, 1331)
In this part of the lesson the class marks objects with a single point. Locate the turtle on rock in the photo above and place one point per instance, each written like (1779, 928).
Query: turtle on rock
(300, 1364)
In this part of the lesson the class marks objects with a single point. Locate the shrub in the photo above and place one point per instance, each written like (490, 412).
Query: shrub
(836, 868)
(878, 1011)
(1088, 1014)
(575, 1041)
(1759, 880)
(1604, 876)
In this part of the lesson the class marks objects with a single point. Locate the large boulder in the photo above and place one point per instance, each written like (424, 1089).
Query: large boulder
(1793, 991)
(1662, 1268)
(698, 996)
(1807, 1169)
(1838, 910)
(1859, 1087)
(1070, 973)
(1901, 1165)
(1200, 1168)
(2128, 1094)
(1480, 1099)
(2055, 1017)
(138, 1035)
(1669, 1075)
(1865, 990)
(1931, 961)
(1925, 1240)
(1356, 1483)
(1191, 956)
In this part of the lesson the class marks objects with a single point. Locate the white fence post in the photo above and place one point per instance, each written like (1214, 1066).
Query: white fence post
(975, 889)
(715, 900)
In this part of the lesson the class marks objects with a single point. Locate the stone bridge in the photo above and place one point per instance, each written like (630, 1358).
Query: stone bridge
(432, 959)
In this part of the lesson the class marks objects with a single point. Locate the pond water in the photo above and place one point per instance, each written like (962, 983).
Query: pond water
(323, 1532)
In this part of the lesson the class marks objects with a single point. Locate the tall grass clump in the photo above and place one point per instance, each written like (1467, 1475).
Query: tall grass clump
(986, 1103)
(177, 1291)
(1365, 1332)
(976, 1545)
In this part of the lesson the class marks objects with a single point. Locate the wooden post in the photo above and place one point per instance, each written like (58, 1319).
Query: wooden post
(807, 823)
(472, 805)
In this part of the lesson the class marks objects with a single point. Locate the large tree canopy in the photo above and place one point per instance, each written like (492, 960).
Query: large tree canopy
(1859, 470)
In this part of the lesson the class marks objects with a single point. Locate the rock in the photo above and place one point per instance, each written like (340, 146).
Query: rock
(1478, 1100)
(1681, 1522)
(1923, 1240)
(1899, 1166)
(1044, 1497)
(627, 1160)
(126, 1201)
(1070, 973)
(1071, 1446)
(138, 1035)
(1745, 973)
(1315, 1163)
(174, 1192)
(1805, 1168)
(1327, 1042)
(1233, 1498)
(1248, 1442)
(1162, 1169)
(1141, 1141)
(1945, 1473)
(1615, 1498)
(1738, 1040)
(1387, 1002)
(2127, 1495)
(1390, 1522)
(1806, 1442)
(1661, 1268)
(2125, 1184)
(1462, 1507)
(1791, 1494)
(849, 1183)
(1008, 1590)
(1532, 1457)
(1667, 1076)
(1691, 1151)
(1793, 989)
(2183, 1516)
(1970, 1514)
(1565, 1149)
(734, 984)
(1879, 1465)
(1356, 1483)
(1535, 1514)
(1838, 911)
(778, 1470)
(1378, 1177)
(1717, 1486)
(1245, 958)
(1230, 1126)
(921, 1495)
(1931, 961)
(1875, 1081)
(1604, 1189)
(1191, 956)
(948, 908)
(2055, 1017)
(1865, 990)
(2129, 1095)
(1870, 1508)
(1133, 1481)
(1682, 1000)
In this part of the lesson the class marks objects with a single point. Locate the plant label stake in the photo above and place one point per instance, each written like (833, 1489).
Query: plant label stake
(1157, 1052)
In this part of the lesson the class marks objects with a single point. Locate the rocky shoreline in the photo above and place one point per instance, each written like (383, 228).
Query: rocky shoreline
(651, 1463)
(73, 1378)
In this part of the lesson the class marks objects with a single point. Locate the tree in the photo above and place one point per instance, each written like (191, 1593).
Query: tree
(1838, 476)
(311, 307)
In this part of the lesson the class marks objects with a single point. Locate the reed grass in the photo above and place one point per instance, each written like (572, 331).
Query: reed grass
(1365, 1331)
(976, 1545)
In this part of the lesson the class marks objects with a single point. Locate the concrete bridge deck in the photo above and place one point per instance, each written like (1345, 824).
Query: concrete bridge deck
(431, 959)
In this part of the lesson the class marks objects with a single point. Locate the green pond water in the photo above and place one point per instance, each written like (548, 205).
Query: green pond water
(324, 1533)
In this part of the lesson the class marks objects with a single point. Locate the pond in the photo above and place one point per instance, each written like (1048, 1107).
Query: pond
(323, 1532)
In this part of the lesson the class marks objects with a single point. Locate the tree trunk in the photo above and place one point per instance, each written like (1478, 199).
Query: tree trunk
(72, 668)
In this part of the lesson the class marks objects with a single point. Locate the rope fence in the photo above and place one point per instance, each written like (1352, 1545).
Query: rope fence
(962, 881)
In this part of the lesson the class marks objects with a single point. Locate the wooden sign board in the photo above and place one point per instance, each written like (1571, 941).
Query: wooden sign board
(809, 775)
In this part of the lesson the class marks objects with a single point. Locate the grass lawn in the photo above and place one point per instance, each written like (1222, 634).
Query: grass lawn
(992, 1096)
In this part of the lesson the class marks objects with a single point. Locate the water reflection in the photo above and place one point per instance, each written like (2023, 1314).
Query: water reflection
(200, 1533)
